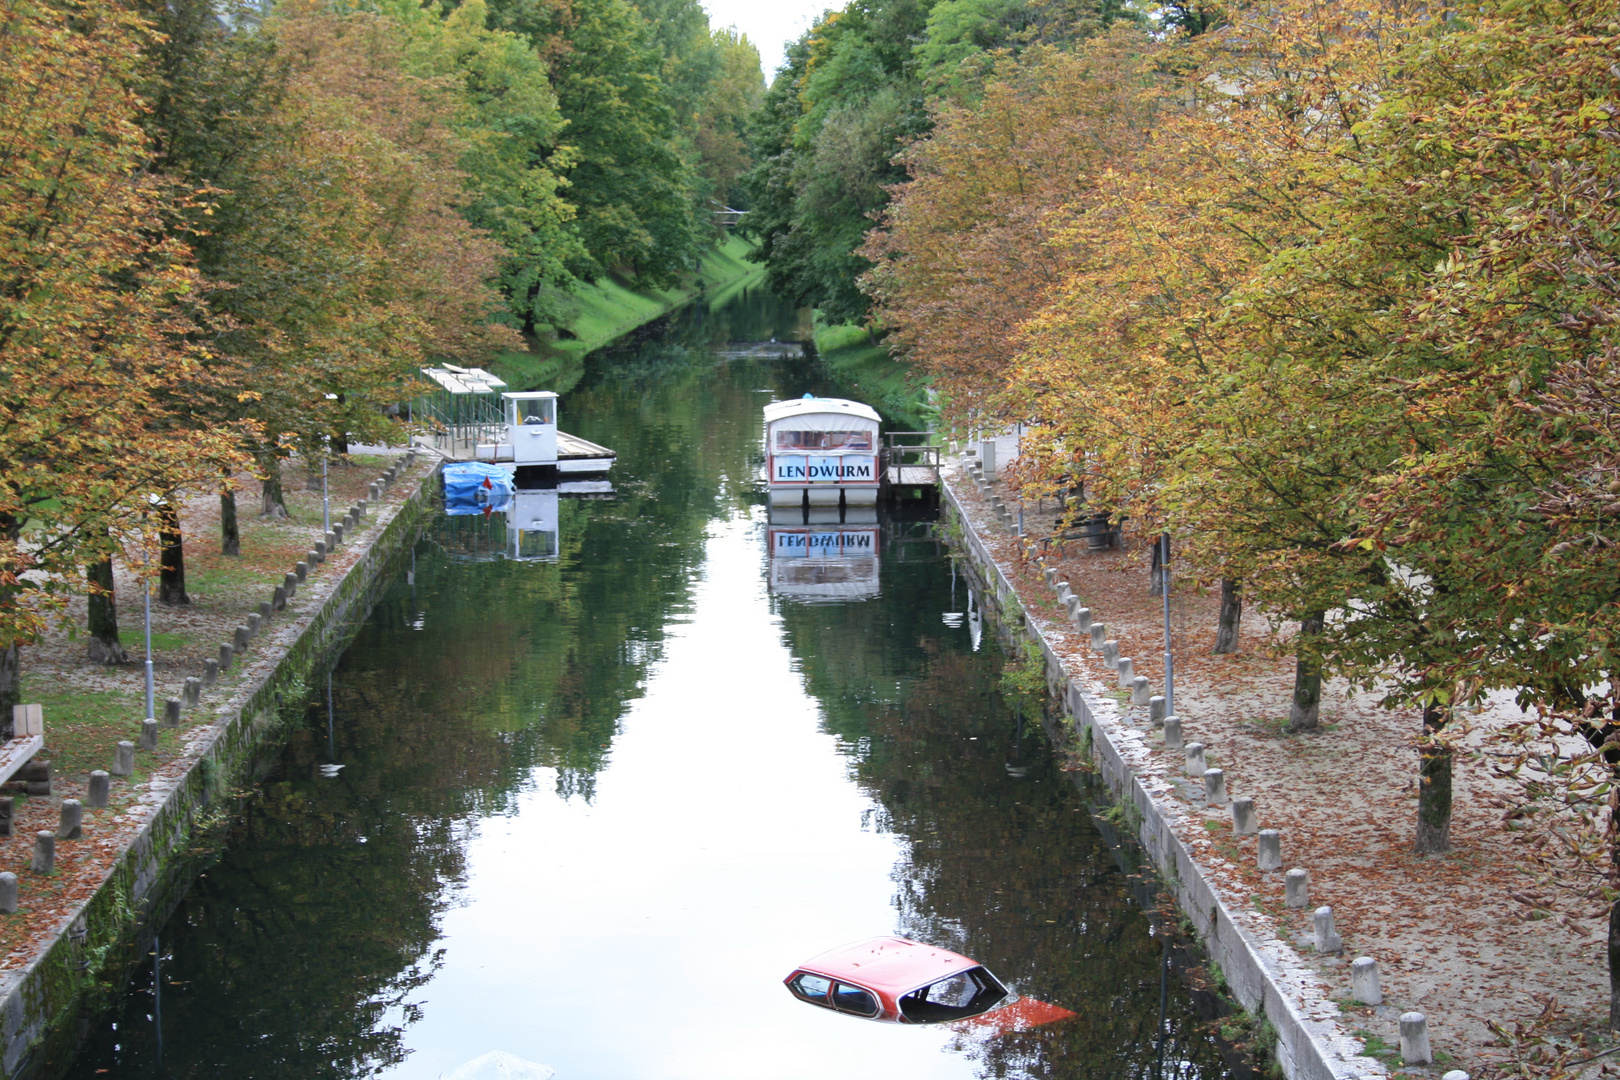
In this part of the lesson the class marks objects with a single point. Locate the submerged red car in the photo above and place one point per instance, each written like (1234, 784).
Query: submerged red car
(900, 981)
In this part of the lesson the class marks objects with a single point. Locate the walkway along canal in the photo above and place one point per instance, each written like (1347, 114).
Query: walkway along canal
(591, 811)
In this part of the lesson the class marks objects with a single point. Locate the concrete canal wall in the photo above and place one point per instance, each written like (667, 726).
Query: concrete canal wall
(1262, 972)
(233, 737)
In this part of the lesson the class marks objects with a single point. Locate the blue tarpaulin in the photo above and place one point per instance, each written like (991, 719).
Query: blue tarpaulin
(472, 487)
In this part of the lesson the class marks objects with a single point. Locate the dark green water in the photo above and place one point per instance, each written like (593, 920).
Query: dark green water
(592, 811)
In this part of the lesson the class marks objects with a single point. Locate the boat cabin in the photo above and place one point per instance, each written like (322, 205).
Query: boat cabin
(821, 452)
(529, 438)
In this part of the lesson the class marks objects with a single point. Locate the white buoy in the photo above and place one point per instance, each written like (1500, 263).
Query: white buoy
(499, 1065)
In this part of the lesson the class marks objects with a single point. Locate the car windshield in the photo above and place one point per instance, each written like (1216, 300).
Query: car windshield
(955, 997)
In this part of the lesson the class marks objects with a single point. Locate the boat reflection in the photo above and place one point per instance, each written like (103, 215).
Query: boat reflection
(486, 522)
(817, 558)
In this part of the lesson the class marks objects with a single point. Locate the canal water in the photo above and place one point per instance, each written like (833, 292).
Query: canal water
(591, 811)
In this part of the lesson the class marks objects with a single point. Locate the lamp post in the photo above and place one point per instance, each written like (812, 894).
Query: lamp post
(326, 502)
(146, 596)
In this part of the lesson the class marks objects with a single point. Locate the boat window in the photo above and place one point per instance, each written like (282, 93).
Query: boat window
(855, 1000)
(536, 411)
(823, 440)
(967, 993)
(812, 988)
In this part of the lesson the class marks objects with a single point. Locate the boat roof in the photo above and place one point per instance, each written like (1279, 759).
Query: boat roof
(810, 406)
(893, 964)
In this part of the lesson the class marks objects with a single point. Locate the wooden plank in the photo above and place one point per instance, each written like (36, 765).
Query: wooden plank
(18, 752)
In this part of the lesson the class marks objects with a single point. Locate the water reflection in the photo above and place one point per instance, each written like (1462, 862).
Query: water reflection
(594, 806)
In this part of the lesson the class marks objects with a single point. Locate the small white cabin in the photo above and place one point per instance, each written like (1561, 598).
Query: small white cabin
(530, 437)
(821, 452)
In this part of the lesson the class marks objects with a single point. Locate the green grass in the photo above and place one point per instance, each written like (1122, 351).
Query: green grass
(611, 308)
(136, 639)
(870, 374)
(81, 727)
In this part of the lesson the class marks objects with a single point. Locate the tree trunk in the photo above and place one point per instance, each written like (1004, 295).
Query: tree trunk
(103, 646)
(1226, 634)
(340, 438)
(230, 532)
(1306, 710)
(275, 506)
(1614, 961)
(1156, 569)
(10, 652)
(1434, 789)
(171, 555)
(10, 684)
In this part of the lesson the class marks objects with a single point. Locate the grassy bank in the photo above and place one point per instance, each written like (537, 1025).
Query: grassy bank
(870, 374)
(609, 309)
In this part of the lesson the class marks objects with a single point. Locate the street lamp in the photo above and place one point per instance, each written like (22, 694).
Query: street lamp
(1164, 579)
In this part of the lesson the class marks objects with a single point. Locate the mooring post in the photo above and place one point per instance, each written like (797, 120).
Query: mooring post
(1297, 888)
(1415, 1039)
(44, 860)
(1268, 856)
(210, 672)
(123, 759)
(171, 712)
(70, 825)
(1364, 981)
(1327, 937)
(1215, 787)
(193, 691)
(100, 789)
(225, 654)
(1194, 752)
(1172, 733)
(149, 734)
(1243, 816)
(8, 892)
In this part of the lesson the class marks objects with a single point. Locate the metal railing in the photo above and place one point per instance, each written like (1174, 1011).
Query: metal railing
(911, 457)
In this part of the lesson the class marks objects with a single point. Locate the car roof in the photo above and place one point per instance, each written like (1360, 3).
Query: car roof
(781, 410)
(894, 965)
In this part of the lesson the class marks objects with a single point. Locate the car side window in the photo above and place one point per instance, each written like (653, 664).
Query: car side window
(853, 999)
(956, 997)
(812, 988)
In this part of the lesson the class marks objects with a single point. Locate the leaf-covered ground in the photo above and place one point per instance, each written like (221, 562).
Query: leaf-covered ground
(1450, 940)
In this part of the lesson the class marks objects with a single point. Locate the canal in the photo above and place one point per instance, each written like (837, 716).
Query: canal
(591, 811)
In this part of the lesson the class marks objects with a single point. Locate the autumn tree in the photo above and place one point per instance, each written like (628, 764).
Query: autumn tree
(94, 328)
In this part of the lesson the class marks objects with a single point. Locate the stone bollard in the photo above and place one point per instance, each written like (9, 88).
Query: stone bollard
(1051, 576)
(1122, 668)
(1268, 856)
(1327, 938)
(123, 759)
(329, 545)
(374, 491)
(336, 533)
(1082, 619)
(239, 641)
(1364, 981)
(1414, 1039)
(312, 560)
(1064, 593)
(1099, 634)
(320, 551)
(1243, 816)
(1296, 888)
(171, 712)
(1195, 758)
(100, 789)
(210, 672)
(1215, 787)
(44, 860)
(70, 826)
(289, 581)
(149, 734)
(301, 572)
(1172, 733)
(1073, 605)
(254, 622)
(8, 893)
(193, 691)
(1142, 693)
(225, 654)
(278, 599)
(266, 609)
(1110, 654)
(1455, 1074)
(1155, 706)
(359, 510)
(7, 806)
